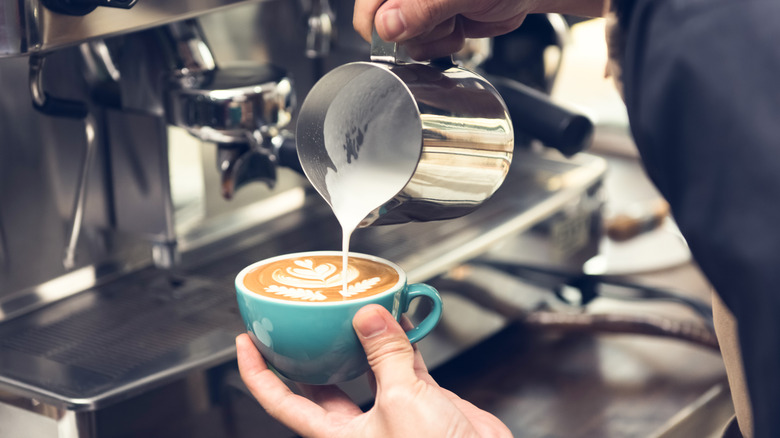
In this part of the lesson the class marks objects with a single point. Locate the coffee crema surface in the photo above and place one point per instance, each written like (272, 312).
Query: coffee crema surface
(320, 278)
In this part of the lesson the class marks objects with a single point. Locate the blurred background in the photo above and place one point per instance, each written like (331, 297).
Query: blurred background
(148, 153)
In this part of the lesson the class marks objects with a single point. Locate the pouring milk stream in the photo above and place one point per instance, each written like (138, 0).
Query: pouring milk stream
(364, 135)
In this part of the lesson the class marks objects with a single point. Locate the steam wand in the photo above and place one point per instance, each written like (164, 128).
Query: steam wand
(57, 107)
(81, 195)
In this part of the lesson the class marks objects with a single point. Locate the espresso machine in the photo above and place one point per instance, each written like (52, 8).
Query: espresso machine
(147, 154)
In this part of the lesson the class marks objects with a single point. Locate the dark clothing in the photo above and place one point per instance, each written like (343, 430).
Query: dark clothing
(731, 430)
(702, 87)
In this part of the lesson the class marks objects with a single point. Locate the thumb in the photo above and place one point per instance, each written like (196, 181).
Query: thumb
(398, 20)
(387, 347)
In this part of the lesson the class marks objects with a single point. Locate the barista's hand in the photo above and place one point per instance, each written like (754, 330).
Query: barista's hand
(433, 28)
(408, 401)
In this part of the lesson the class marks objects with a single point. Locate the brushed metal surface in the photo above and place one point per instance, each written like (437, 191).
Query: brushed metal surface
(128, 214)
(28, 27)
(152, 326)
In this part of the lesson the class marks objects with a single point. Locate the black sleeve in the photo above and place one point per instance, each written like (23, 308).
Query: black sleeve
(702, 87)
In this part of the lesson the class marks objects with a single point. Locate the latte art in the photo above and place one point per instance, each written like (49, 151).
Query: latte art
(307, 275)
(320, 278)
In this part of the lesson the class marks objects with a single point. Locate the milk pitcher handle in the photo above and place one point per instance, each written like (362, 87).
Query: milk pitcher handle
(393, 53)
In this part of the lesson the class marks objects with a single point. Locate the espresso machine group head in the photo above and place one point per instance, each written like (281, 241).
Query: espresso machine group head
(242, 109)
(108, 82)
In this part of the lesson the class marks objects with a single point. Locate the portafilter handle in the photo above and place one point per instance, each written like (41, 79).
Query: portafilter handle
(535, 114)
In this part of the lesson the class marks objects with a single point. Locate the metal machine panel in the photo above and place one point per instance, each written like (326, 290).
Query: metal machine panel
(27, 26)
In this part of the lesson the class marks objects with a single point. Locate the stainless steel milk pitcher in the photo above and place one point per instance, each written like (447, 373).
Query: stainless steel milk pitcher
(440, 133)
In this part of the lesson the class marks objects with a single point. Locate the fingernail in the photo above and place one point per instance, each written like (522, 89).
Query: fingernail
(370, 324)
(394, 23)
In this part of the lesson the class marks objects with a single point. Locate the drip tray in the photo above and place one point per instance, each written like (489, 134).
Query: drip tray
(151, 327)
(99, 345)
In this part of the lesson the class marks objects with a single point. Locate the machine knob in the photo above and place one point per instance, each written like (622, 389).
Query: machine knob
(84, 7)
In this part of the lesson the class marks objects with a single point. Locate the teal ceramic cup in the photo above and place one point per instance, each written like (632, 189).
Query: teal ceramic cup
(314, 342)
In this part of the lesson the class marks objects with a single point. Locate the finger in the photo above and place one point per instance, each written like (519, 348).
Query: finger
(419, 365)
(406, 323)
(298, 413)
(484, 422)
(399, 20)
(331, 398)
(480, 29)
(420, 369)
(371, 381)
(439, 48)
(440, 31)
(390, 355)
(463, 405)
(363, 17)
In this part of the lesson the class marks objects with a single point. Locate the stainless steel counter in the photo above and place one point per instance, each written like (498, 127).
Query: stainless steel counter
(152, 327)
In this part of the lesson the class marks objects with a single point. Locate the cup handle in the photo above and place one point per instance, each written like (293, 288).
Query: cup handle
(419, 290)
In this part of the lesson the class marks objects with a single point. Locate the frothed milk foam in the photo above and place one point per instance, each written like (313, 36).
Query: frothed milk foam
(319, 278)
(373, 109)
